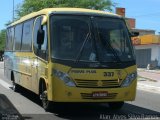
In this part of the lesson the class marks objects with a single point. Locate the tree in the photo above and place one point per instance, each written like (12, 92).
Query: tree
(2, 39)
(29, 6)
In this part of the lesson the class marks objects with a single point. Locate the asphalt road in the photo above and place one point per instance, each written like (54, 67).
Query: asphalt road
(26, 105)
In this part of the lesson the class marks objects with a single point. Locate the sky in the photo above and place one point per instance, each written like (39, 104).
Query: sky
(6, 11)
(146, 12)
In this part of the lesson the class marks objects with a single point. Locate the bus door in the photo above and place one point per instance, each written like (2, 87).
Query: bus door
(40, 59)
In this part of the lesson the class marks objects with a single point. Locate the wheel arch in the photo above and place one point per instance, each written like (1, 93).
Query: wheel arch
(42, 85)
(12, 76)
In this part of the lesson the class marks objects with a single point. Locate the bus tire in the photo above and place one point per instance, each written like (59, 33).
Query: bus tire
(46, 104)
(116, 105)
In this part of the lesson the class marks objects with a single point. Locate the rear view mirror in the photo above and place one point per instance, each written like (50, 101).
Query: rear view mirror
(40, 36)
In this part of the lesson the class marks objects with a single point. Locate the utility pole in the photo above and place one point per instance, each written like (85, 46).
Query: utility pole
(13, 12)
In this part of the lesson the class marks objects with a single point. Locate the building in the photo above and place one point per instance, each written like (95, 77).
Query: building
(147, 44)
(147, 49)
(143, 31)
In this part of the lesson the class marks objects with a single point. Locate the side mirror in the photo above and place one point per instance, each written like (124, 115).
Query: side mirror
(134, 34)
(40, 37)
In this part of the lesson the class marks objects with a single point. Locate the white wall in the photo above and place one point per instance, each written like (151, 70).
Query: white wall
(155, 51)
(159, 56)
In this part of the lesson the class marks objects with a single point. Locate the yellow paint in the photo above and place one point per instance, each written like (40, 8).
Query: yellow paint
(149, 39)
(63, 93)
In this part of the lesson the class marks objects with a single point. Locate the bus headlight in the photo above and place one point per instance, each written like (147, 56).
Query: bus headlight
(64, 77)
(128, 80)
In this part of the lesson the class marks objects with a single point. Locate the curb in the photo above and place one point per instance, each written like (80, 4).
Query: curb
(151, 71)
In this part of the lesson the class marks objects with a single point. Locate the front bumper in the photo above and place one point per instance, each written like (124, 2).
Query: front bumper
(62, 93)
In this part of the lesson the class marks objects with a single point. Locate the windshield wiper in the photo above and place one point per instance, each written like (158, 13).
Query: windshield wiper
(82, 47)
(111, 48)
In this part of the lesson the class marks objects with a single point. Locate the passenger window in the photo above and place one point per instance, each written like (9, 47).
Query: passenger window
(43, 52)
(27, 36)
(9, 39)
(17, 37)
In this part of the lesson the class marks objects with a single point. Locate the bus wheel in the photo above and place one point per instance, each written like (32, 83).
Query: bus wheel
(116, 105)
(45, 102)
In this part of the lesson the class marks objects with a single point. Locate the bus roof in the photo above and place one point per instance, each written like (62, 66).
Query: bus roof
(62, 10)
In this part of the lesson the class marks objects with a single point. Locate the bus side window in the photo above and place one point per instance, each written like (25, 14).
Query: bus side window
(18, 37)
(43, 52)
(9, 39)
(26, 44)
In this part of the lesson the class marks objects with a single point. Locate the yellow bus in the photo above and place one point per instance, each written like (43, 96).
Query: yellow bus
(72, 55)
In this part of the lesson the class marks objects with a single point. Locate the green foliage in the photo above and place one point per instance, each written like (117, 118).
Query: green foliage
(29, 6)
(8, 23)
(2, 39)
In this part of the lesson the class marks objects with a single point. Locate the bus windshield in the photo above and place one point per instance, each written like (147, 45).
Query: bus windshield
(90, 38)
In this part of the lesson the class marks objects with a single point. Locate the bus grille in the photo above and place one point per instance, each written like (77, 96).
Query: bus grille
(90, 96)
(98, 83)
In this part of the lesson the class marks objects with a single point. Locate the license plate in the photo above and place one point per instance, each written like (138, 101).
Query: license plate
(100, 94)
